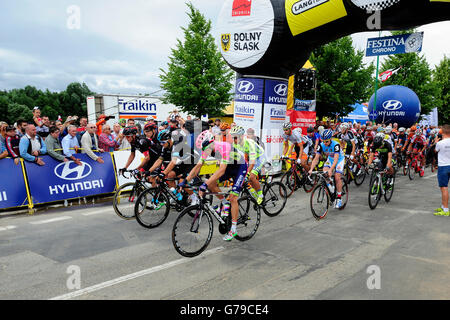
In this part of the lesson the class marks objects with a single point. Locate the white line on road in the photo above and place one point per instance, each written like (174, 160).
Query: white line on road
(95, 212)
(7, 228)
(51, 220)
(133, 276)
(432, 176)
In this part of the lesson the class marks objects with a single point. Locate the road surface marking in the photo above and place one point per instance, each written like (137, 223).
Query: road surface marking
(432, 176)
(95, 212)
(133, 276)
(7, 228)
(51, 220)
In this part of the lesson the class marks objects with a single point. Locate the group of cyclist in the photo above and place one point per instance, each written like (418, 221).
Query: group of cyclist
(174, 153)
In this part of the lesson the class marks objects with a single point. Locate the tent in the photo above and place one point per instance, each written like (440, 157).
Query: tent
(359, 114)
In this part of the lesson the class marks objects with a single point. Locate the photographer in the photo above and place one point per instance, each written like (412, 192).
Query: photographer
(101, 121)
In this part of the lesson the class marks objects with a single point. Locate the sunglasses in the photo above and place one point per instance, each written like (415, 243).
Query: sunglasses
(326, 141)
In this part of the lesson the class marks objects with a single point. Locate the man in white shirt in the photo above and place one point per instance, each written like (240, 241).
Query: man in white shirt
(70, 143)
(443, 150)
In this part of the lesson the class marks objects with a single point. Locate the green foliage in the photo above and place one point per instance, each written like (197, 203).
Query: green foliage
(19, 103)
(197, 80)
(342, 78)
(441, 77)
(18, 111)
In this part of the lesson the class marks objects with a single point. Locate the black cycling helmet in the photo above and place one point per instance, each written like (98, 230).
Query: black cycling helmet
(130, 131)
(150, 126)
(310, 130)
(378, 141)
(164, 136)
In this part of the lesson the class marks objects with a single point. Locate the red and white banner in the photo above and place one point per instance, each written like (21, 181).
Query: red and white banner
(302, 119)
(384, 76)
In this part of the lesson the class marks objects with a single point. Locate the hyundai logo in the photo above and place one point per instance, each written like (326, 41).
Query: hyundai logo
(245, 86)
(392, 105)
(71, 171)
(281, 89)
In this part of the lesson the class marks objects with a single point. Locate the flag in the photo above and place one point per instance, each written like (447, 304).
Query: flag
(387, 74)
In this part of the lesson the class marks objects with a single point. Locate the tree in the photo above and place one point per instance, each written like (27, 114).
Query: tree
(18, 111)
(441, 76)
(342, 78)
(415, 74)
(197, 80)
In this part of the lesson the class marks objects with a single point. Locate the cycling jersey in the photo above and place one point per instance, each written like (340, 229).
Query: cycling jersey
(221, 152)
(295, 137)
(331, 150)
(401, 140)
(418, 142)
(148, 148)
(251, 148)
(383, 152)
(348, 138)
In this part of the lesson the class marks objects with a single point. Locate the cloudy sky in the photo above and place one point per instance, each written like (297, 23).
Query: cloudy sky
(119, 46)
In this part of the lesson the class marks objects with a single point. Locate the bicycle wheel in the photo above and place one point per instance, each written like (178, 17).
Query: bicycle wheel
(360, 176)
(289, 180)
(389, 189)
(308, 186)
(320, 202)
(249, 218)
(152, 208)
(125, 199)
(412, 170)
(344, 194)
(374, 192)
(275, 197)
(192, 231)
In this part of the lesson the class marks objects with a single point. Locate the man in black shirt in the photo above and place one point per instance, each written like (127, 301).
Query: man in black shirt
(384, 149)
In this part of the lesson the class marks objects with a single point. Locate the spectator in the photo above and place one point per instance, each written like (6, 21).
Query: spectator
(122, 123)
(233, 124)
(3, 150)
(37, 117)
(70, 144)
(44, 129)
(173, 125)
(89, 141)
(83, 124)
(443, 150)
(52, 143)
(210, 124)
(188, 118)
(21, 126)
(32, 145)
(216, 128)
(12, 144)
(131, 123)
(106, 141)
(251, 135)
(101, 121)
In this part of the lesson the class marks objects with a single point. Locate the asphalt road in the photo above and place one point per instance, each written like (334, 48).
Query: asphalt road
(400, 250)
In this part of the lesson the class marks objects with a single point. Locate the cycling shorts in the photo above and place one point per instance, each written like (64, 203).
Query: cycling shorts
(339, 167)
(259, 163)
(183, 169)
(237, 173)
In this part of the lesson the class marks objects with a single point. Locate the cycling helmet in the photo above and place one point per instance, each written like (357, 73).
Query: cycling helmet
(401, 129)
(207, 140)
(320, 129)
(418, 132)
(130, 131)
(164, 136)
(150, 126)
(224, 126)
(310, 130)
(326, 134)
(343, 127)
(201, 136)
(413, 128)
(165, 123)
(237, 131)
(388, 130)
(287, 125)
(378, 141)
(380, 129)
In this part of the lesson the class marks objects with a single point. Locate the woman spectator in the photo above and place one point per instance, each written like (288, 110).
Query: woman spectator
(3, 151)
(106, 141)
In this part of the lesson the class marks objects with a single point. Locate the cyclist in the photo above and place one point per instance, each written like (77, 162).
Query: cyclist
(255, 157)
(335, 161)
(418, 144)
(145, 144)
(235, 167)
(299, 142)
(384, 150)
(347, 138)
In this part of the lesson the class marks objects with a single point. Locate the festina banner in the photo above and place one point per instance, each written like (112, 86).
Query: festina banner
(67, 180)
(305, 105)
(275, 102)
(302, 119)
(405, 43)
(248, 103)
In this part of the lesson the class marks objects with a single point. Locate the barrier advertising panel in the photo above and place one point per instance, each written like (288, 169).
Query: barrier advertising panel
(302, 119)
(12, 185)
(248, 103)
(57, 181)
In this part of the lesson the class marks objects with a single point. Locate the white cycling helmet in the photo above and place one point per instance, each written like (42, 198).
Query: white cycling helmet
(401, 129)
(287, 125)
(418, 132)
(388, 130)
(204, 136)
(343, 127)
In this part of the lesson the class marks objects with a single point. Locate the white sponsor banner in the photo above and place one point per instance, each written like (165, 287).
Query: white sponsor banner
(248, 103)
(245, 30)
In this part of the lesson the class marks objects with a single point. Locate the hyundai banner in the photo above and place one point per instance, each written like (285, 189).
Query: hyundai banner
(275, 102)
(404, 43)
(248, 102)
(12, 185)
(67, 180)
